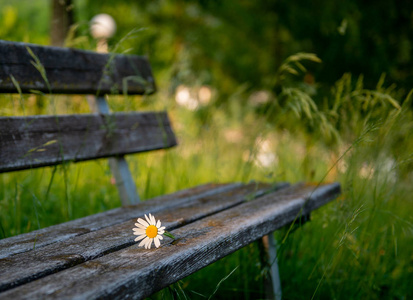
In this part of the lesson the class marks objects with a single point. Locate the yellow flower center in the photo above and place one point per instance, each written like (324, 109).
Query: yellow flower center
(151, 231)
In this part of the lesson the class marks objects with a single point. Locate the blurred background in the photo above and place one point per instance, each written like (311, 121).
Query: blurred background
(256, 90)
(228, 43)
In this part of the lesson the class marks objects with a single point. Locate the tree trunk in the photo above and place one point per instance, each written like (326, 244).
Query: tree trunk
(60, 22)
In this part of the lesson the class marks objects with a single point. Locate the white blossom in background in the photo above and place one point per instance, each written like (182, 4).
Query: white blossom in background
(259, 97)
(102, 27)
(233, 135)
(266, 155)
(366, 170)
(192, 98)
(184, 98)
(204, 95)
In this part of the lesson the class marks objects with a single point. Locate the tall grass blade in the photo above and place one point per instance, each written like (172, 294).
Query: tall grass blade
(220, 282)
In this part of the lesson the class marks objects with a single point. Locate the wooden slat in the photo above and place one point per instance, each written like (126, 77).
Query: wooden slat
(71, 71)
(135, 272)
(30, 142)
(68, 230)
(31, 265)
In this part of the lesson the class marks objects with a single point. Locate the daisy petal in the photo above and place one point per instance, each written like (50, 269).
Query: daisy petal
(161, 228)
(140, 237)
(143, 222)
(158, 224)
(140, 226)
(161, 232)
(160, 237)
(148, 220)
(139, 233)
(157, 242)
(143, 242)
(149, 244)
(152, 219)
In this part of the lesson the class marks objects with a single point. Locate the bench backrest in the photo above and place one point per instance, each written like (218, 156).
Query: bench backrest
(70, 71)
(36, 141)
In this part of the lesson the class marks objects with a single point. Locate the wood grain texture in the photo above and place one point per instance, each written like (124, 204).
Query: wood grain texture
(30, 142)
(56, 257)
(70, 71)
(136, 273)
(68, 230)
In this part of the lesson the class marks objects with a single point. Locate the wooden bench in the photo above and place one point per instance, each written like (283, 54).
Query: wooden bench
(96, 256)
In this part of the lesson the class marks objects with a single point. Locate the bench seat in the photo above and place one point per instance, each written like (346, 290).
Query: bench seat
(96, 256)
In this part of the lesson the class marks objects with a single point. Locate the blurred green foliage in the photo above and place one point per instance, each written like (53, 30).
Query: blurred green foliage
(228, 43)
(25, 21)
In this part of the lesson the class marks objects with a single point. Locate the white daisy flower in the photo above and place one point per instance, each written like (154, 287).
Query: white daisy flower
(149, 231)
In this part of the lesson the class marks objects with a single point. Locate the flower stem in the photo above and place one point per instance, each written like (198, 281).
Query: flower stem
(168, 234)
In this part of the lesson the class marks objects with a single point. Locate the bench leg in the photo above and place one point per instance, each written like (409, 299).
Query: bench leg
(268, 245)
(275, 274)
(124, 181)
(120, 169)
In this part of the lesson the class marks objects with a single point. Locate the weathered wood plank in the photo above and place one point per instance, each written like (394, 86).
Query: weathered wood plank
(135, 272)
(68, 230)
(25, 267)
(36, 141)
(70, 71)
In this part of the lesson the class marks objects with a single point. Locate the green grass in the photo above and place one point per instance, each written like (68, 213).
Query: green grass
(357, 247)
